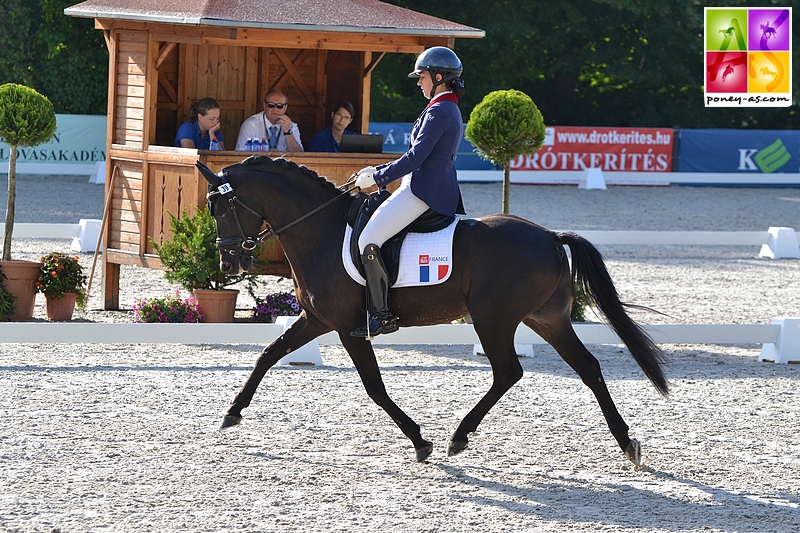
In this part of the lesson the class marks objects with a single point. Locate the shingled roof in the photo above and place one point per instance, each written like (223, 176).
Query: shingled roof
(361, 16)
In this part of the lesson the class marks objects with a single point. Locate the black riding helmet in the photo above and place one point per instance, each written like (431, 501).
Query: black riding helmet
(438, 60)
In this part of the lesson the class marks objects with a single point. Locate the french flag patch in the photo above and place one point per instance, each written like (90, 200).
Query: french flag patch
(433, 268)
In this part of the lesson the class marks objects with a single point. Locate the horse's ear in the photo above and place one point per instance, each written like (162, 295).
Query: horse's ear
(209, 175)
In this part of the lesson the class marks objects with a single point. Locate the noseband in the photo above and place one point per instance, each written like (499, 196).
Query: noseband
(244, 244)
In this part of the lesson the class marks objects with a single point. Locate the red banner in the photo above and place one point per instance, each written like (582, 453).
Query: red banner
(610, 149)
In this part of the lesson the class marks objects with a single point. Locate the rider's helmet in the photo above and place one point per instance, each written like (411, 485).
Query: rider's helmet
(438, 60)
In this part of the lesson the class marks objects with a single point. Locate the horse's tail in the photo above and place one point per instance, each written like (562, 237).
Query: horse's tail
(589, 273)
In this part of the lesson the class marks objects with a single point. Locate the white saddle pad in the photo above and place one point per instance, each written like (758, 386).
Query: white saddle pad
(425, 258)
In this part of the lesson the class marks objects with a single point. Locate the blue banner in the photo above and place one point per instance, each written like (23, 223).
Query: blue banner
(397, 136)
(739, 151)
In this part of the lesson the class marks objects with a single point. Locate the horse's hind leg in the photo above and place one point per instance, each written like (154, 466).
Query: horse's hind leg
(363, 356)
(302, 331)
(563, 338)
(498, 344)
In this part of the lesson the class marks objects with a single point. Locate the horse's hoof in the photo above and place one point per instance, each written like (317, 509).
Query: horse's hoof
(456, 446)
(634, 452)
(230, 421)
(424, 452)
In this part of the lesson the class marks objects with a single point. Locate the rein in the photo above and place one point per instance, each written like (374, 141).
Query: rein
(248, 244)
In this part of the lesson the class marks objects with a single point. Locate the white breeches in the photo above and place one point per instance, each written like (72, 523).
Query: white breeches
(394, 214)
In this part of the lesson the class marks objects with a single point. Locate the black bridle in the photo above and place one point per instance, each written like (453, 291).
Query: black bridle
(244, 244)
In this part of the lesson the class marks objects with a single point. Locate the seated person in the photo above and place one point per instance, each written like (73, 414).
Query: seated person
(329, 139)
(272, 124)
(203, 126)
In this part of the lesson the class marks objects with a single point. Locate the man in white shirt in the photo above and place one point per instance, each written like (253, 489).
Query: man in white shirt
(272, 124)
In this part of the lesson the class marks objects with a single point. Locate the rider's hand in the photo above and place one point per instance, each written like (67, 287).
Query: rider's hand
(365, 177)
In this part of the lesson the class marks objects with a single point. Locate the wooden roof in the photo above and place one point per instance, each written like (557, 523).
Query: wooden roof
(355, 16)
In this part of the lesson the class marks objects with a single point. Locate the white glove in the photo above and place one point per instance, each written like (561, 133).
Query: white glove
(365, 177)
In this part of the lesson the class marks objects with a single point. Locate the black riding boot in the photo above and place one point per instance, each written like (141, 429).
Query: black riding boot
(381, 319)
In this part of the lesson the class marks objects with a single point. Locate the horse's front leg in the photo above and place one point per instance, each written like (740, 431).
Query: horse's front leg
(363, 356)
(302, 331)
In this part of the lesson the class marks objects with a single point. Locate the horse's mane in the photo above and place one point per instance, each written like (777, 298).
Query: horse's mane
(283, 167)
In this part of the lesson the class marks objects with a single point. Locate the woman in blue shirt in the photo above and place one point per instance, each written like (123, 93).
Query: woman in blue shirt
(329, 139)
(203, 127)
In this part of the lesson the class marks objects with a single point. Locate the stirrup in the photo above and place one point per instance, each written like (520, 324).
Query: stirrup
(377, 326)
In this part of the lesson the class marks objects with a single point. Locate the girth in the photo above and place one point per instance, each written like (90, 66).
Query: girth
(362, 209)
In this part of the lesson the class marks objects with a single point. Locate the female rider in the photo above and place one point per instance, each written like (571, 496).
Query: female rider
(428, 176)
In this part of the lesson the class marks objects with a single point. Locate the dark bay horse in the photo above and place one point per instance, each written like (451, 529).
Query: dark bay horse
(506, 270)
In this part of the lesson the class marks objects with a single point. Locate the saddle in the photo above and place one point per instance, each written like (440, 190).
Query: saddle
(362, 209)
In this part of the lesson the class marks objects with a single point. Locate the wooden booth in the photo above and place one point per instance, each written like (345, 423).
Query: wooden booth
(161, 60)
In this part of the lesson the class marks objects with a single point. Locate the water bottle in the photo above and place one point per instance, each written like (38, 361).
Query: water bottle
(248, 146)
(214, 145)
(264, 144)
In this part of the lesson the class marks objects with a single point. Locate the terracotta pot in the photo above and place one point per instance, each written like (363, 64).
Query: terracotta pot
(60, 309)
(217, 306)
(21, 282)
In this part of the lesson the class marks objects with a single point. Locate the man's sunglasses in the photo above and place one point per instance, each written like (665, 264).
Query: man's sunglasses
(271, 105)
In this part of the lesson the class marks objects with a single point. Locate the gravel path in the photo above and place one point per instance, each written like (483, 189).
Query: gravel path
(124, 437)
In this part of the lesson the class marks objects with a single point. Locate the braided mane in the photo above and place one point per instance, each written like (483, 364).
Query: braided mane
(281, 166)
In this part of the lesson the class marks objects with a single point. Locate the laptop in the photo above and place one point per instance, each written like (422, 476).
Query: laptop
(365, 144)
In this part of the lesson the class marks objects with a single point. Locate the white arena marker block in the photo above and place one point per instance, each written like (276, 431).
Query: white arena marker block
(99, 176)
(782, 244)
(593, 180)
(87, 236)
(308, 354)
(523, 350)
(787, 347)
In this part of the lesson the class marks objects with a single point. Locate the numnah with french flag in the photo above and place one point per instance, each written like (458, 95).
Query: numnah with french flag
(425, 258)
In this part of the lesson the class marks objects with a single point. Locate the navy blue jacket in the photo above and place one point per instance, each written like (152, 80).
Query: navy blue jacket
(430, 159)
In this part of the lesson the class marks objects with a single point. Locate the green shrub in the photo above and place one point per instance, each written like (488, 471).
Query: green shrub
(505, 125)
(580, 304)
(191, 256)
(6, 300)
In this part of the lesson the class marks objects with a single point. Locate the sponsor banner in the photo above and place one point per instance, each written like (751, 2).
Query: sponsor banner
(748, 57)
(79, 140)
(397, 136)
(739, 151)
(570, 148)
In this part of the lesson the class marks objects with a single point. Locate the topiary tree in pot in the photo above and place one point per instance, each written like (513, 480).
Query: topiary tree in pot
(503, 126)
(26, 119)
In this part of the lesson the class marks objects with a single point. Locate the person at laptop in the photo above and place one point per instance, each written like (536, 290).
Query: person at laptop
(272, 125)
(428, 176)
(330, 138)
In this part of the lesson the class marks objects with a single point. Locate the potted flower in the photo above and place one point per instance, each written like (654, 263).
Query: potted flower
(275, 305)
(191, 259)
(26, 119)
(170, 309)
(6, 300)
(63, 283)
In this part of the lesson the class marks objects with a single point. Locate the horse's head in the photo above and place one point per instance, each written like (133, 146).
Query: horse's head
(237, 224)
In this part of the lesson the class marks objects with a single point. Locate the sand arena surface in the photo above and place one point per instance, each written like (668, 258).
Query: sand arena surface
(124, 437)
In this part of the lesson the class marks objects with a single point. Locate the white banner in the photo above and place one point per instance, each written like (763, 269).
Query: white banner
(77, 146)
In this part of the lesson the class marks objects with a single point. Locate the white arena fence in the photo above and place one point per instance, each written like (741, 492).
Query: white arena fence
(780, 340)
